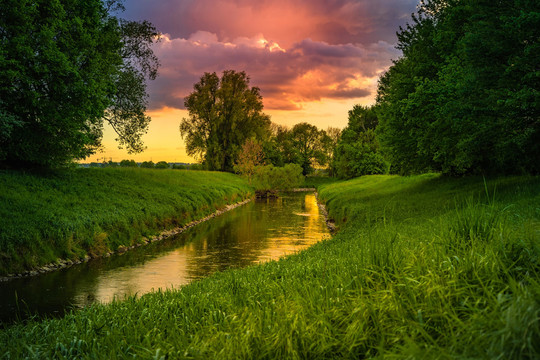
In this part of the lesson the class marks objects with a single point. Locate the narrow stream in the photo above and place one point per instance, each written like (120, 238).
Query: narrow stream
(261, 230)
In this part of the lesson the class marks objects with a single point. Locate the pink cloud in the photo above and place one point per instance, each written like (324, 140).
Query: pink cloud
(296, 51)
(308, 71)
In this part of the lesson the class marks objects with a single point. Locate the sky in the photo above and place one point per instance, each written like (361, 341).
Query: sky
(313, 60)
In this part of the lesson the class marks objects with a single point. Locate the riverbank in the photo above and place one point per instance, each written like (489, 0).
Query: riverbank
(422, 267)
(53, 220)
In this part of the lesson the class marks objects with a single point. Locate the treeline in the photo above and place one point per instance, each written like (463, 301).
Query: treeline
(226, 127)
(145, 165)
(465, 96)
(463, 99)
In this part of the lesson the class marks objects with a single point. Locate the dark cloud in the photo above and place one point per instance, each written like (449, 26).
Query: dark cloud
(349, 93)
(284, 21)
(308, 71)
(293, 50)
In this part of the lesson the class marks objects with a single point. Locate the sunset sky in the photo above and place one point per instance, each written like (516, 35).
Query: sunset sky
(312, 59)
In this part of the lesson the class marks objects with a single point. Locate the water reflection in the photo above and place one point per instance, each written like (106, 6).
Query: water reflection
(259, 231)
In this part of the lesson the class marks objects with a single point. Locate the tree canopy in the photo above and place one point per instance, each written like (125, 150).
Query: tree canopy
(465, 95)
(223, 113)
(65, 68)
(307, 144)
(358, 152)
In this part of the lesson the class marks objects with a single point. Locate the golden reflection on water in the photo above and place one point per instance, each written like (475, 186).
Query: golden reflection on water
(308, 228)
(256, 232)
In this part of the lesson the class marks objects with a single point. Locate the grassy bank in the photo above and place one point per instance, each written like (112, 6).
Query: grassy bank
(69, 214)
(423, 267)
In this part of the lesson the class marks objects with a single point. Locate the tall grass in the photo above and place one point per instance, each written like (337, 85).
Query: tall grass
(68, 214)
(423, 267)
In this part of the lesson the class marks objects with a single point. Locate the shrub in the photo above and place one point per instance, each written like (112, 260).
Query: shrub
(270, 177)
(148, 164)
(162, 165)
(128, 163)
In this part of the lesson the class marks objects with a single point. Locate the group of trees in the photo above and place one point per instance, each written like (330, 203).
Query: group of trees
(227, 130)
(464, 98)
(465, 95)
(66, 67)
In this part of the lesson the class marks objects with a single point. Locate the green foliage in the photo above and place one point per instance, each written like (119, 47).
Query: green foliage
(269, 177)
(317, 181)
(67, 214)
(358, 152)
(330, 143)
(62, 65)
(148, 165)
(250, 156)
(388, 285)
(464, 98)
(307, 143)
(196, 167)
(162, 165)
(128, 163)
(223, 113)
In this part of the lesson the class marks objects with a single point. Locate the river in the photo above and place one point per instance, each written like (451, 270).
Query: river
(261, 230)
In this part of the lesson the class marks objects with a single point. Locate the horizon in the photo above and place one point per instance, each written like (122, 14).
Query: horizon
(314, 70)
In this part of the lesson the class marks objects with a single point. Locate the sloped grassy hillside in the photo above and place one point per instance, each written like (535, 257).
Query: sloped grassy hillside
(69, 214)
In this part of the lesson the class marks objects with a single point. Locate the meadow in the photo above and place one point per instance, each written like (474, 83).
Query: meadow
(70, 214)
(422, 267)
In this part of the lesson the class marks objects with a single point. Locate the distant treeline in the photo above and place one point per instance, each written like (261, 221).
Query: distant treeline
(144, 164)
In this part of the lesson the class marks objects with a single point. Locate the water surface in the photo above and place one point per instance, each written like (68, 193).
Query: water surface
(261, 230)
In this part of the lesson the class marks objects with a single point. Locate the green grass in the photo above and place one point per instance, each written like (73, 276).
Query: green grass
(317, 181)
(423, 267)
(68, 214)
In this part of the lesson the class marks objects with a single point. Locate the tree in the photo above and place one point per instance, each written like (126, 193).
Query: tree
(358, 152)
(249, 158)
(162, 165)
(127, 112)
(128, 163)
(330, 143)
(223, 113)
(62, 65)
(307, 146)
(267, 179)
(147, 165)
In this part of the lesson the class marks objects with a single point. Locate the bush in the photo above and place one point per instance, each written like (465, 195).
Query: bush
(148, 164)
(162, 165)
(196, 167)
(128, 163)
(269, 177)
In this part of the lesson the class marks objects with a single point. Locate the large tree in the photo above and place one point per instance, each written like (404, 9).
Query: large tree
(65, 68)
(223, 113)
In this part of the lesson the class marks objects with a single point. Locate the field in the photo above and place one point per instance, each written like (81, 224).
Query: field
(422, 267)
(73, 213)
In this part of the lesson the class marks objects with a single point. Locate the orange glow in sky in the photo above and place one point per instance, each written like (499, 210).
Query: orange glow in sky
(312, 59)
